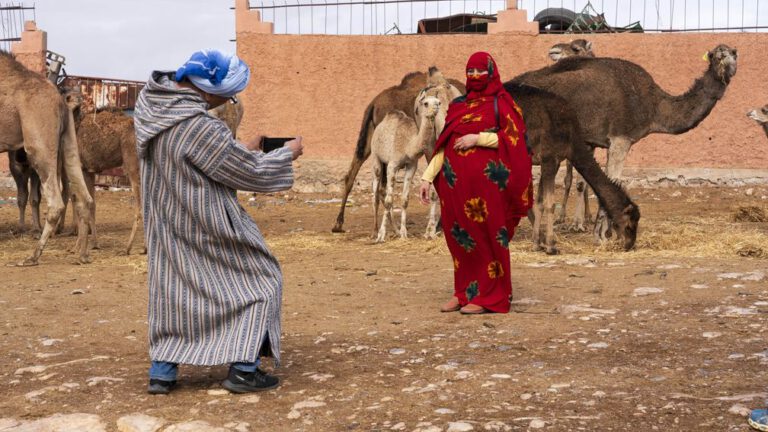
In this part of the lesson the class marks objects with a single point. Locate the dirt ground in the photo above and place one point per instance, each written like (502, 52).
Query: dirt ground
(668, 337)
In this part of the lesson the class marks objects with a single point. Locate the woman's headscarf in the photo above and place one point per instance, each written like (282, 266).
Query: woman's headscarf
(489, 108)
(215, 72)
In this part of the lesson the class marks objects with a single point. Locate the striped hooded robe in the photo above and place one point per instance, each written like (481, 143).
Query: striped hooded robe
(214, 287)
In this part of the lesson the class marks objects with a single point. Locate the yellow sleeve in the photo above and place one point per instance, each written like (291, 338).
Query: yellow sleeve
(488, 139)
(434, 167)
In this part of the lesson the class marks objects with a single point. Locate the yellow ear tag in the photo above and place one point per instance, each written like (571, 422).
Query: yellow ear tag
(705, 57)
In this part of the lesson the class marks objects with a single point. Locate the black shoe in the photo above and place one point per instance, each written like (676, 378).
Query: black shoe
(248, 382)
(157, 386)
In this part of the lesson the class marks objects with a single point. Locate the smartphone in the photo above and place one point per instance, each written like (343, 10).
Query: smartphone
(269, 143)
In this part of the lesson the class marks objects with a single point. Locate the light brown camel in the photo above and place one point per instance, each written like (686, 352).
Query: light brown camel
(760, 115)
(397, 143)
(400, 97)
(575, 48)
(231, 114)
(27, 188)
(554, 135)
(582, 215)
(33, 115)
(617, 102)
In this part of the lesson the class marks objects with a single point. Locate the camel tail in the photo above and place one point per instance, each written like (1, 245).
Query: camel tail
(362, 151)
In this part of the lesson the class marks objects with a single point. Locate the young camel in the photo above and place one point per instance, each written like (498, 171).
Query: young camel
(761, 117)
(397, 143)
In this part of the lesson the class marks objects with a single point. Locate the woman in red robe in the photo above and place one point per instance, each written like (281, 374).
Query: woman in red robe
(481, 170)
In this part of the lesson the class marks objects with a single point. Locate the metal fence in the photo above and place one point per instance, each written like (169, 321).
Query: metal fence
(12, 17)
(378, 17)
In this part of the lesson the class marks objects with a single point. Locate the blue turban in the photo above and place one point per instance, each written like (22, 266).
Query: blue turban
(215, 72)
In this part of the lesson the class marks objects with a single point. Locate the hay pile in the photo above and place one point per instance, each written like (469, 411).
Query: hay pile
(750, 214)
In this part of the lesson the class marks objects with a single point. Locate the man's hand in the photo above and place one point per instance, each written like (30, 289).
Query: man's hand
(254, 144)
(424, 191)
(466, 142)
(297, 148)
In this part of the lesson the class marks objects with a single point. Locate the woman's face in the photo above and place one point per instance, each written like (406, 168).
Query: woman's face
(477, 79)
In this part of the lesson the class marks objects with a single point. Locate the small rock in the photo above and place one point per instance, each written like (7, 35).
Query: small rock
(496, 425)
(644, 291)
(711, 335)
(49, 342)
(736, 356)
(699, 286)
(462, 375)
(249, 399)
(501, 376)
(96, 380)
(308, 404)
(443, 411)
(526, 396)
(65, 422)
(77, 291)
(217, 392)
(7, 423)
(740, 410)
(321, 377)
(537, 424)
(459, 427)
(139, 423)
(398, 426)
(194, 426)
(598, 345)
(293, 415)
(397, 351)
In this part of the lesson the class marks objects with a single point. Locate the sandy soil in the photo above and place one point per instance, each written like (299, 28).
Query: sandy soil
(367, 349)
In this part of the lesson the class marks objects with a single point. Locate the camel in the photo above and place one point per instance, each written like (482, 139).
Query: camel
(36, 118)
(554, 134)
(400, 97)
(617, 103)
(397, 143)
(761, 117)
(231, 114)
(27, 187)
(575, 48)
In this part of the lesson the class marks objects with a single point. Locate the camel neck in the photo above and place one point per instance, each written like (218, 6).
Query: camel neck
(679, 114)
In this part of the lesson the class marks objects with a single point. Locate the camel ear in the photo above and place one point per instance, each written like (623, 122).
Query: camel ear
(589, 46)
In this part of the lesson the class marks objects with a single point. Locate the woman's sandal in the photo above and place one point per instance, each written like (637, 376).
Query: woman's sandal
(472, 309)
(451, 306)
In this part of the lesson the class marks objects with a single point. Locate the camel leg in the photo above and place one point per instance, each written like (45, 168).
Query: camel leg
(409, 172)
(388, 201)
(349, 181)
(432, 221)
(73, 169)
(136, 188)
(617, 154)
(534, 217)
(34, 200)
(566, 191)
(90, 183)
(50, 185)
(376, 195)
(547, 182)
(580, 217)
(22, 190)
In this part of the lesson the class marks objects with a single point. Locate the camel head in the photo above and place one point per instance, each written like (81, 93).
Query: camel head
(759, 115)
(626, 225)
(576, 48)
(722, 62)
(74, 99)
(426, 106)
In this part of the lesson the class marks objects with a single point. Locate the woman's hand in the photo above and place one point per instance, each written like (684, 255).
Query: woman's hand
(297, 148)
(466, 142)
(424, 191)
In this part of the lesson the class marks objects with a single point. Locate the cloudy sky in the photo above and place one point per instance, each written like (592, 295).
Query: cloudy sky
(128, 38)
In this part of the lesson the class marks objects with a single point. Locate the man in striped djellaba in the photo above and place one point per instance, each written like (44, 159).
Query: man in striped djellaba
(214, 287)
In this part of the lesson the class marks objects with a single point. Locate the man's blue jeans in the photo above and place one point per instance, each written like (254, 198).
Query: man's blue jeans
(166, 371)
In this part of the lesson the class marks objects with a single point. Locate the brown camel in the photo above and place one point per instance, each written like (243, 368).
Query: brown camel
(400, 97)
(761, 117)
(27, 188)
(575, 48)
(36, 118)
(107, 140)
(554, 135)
(618, 103)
